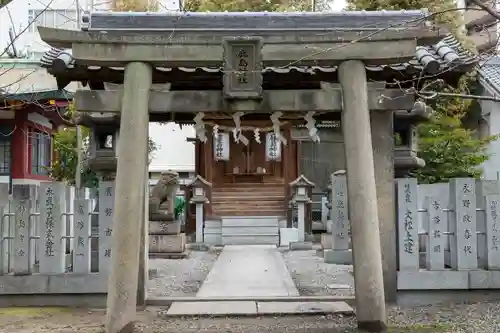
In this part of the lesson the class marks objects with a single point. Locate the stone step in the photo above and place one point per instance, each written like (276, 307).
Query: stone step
(246, 188)
(249, 230)
(248, 196)
(246, 212)
(248, 205)
(249, 239)
(252, 308)
(250, 184)
(261, 221)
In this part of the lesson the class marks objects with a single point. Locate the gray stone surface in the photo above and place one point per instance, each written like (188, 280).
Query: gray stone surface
(179, 277)
(248, 270)
(340, 257)
(477, 318)
(312, 276)
(53, 284)
(213, 309)
(300, 246)
(303, 307)
(250, 308)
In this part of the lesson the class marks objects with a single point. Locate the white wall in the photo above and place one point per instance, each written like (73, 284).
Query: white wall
(174, 151)
(491, 112)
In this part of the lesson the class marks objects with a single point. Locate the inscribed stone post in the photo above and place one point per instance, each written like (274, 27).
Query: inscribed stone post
(106, 206)
(484, 188)
(340, 226)
(464, 243)
(21, 242)
(493, 231)
(324, 210)
(4, 228)
(436, 238)
(407, 224)
(3, 242)
(69, 218)
(82, 230)
(382, 122)
(52, 249)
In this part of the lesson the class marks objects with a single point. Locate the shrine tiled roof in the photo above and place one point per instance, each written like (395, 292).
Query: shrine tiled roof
(446, 55)
(245, 21)
(489, 71)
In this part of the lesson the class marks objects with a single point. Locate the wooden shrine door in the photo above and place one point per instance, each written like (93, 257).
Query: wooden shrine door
(247, 163)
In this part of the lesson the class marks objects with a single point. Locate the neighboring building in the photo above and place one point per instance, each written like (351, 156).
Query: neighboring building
(480, 26)
(21, 74)
(29, 116)
(22, 17)
(489, 124)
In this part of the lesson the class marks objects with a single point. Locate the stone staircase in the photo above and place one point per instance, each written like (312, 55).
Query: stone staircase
(249, 212)
(250, 230)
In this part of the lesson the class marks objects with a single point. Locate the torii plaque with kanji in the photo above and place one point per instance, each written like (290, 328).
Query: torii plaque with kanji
(243, 68)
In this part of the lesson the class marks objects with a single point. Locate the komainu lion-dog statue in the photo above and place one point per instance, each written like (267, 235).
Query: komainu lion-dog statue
(164, 193)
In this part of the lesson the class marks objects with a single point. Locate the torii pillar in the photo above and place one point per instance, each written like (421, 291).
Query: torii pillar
(128, 213)
(362, 195)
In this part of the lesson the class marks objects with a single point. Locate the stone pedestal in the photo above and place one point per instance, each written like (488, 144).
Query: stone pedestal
(166, 240)
(339, 257)
(326, 241)
(167, 246)
(164, 227)
(288, 235)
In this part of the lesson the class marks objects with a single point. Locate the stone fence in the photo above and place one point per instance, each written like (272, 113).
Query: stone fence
(448, 233)
(46, 243)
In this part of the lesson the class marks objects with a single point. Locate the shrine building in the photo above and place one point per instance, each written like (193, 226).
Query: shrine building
(28, 123)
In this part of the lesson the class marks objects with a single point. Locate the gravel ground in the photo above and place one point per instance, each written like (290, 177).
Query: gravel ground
(315, 278)
(179, 277)
(461, 318)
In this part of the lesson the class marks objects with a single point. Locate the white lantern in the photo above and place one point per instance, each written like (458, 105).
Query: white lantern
(301, 191)
(198, 191)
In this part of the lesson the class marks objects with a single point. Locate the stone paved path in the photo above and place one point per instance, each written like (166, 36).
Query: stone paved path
(248, 271)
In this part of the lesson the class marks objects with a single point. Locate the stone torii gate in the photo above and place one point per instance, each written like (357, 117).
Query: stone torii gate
(144, 42)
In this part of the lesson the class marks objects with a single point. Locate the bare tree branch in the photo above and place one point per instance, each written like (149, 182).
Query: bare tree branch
(486, 8)
(4, 3)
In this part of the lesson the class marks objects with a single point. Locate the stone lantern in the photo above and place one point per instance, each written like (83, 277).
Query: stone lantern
(405, 125)
(199, 188)
(329, 198)
(301, 187)
(104, 133)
